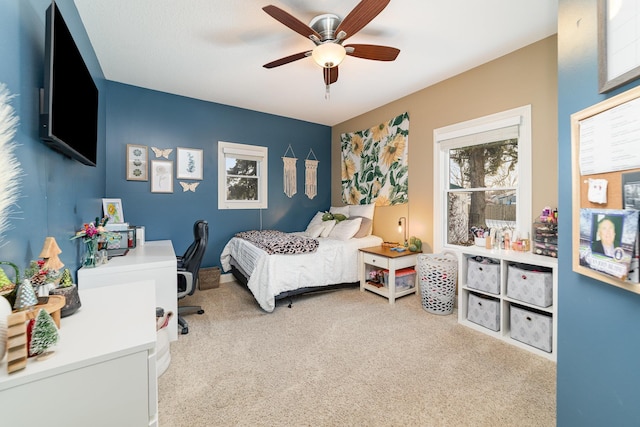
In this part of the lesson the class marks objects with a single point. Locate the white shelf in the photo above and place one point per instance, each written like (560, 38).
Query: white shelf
(506, 257)
(104, 365)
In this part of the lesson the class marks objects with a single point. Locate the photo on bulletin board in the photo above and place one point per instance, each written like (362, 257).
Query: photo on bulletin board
(112, 209)
(608, 240)
(631, 190)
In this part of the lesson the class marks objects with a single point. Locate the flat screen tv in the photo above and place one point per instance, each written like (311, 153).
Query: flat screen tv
(69, 100)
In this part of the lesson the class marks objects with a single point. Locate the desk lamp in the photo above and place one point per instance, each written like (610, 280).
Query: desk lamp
(402, 229)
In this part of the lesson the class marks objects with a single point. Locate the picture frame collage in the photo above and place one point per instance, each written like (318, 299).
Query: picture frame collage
(160, 170)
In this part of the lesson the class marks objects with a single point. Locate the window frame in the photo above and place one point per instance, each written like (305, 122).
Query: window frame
(253, 152)
(520, 116)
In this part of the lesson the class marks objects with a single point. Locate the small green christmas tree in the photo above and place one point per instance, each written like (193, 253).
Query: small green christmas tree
(44, 335)
(65, 280)
(4, 280)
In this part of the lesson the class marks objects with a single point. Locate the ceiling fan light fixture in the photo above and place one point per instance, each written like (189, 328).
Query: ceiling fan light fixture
(328, 55)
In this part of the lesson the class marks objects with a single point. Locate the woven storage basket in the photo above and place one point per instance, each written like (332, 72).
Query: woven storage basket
(208, 278)
(438, 274)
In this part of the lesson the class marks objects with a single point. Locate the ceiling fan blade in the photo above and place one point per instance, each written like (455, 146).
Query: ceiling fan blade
(290, 21)
(330, 75)
(360, 16)
(372, 51)
(287, 59)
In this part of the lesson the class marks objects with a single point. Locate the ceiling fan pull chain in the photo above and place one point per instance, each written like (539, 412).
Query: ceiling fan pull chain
(327, 93)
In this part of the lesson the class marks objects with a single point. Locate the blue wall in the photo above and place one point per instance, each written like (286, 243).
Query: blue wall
(58, 194)
(598, 333)
(155, 119)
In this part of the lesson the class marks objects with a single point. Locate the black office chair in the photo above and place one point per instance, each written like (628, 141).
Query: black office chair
(188, 268)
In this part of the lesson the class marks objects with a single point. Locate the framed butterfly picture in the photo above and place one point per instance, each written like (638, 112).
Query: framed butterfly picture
(189, 163)
(137, 163)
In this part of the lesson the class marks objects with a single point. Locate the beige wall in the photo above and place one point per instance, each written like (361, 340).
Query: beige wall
(526, 76)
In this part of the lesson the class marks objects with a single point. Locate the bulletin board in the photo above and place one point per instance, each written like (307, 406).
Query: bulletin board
(605, 144)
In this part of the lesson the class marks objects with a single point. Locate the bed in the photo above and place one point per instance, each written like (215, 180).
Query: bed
(333, 264)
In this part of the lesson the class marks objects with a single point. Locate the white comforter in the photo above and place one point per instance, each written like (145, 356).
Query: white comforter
(335, 261)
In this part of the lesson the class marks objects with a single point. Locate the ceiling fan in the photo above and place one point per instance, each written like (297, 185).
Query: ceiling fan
(328, 33)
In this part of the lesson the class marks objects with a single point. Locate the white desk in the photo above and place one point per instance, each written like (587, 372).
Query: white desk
(155, 260)
(103, 371)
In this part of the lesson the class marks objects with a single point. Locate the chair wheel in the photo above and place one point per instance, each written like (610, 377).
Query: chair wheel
(185, 331)
(200, 311)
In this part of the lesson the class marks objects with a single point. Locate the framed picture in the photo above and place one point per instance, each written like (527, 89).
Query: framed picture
(618, 43)
(189, 164)
(137, 162)
(161, 176)
(112, 209)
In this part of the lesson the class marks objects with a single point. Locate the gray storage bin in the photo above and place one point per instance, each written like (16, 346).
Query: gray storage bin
(530, 284)
(483, 274)
(484, 311)
(530, 327)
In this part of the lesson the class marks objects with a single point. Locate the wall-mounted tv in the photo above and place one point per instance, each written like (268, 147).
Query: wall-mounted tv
(69, 100)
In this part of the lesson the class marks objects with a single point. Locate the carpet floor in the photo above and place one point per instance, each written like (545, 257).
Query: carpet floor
(346, 358)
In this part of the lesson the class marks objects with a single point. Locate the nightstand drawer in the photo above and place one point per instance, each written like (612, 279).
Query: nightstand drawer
(377, 260)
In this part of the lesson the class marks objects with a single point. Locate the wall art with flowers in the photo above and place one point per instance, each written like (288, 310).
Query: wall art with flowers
(137, 162)
(374, 164)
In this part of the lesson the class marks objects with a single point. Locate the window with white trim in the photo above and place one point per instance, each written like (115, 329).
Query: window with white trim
(242, 176)
(482, 171)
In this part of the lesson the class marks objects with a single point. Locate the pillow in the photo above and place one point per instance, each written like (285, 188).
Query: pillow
(344, 230)
(316, 220)
(314, 231)
(365, 211)
(327, 226)
(365, 227)
(344, 210)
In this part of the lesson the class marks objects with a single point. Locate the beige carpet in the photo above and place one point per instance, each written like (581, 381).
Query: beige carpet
(346, 358)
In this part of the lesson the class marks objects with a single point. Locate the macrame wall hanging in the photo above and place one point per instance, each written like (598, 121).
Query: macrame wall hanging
(290, 187)
(311, 175)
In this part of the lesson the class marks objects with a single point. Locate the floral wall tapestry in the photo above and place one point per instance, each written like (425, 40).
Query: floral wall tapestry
(374, 164)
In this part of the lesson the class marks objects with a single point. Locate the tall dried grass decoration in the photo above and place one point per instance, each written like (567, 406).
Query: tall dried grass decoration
(10, 170)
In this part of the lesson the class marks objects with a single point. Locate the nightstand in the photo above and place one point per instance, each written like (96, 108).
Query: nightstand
(383, 258)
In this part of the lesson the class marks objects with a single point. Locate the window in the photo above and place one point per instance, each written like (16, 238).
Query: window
(242, 176)
(483, 176)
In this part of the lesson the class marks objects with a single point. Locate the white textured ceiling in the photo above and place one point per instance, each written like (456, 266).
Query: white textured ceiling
(214, 49)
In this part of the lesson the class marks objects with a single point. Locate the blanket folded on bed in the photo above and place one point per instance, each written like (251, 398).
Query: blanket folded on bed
(278, 242)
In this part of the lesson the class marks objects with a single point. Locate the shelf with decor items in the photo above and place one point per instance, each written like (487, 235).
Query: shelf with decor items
(511, 296)
(396, 269)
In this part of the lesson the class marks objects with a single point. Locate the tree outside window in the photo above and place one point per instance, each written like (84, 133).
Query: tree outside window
(483, 181)
(242, 176)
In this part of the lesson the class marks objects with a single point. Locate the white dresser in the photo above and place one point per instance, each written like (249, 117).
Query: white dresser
(156, 261)
(103, 371)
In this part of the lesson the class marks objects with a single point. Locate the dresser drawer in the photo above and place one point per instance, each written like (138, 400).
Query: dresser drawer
(377, 260)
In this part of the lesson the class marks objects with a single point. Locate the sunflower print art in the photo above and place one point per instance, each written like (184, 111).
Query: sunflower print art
(374, 164)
